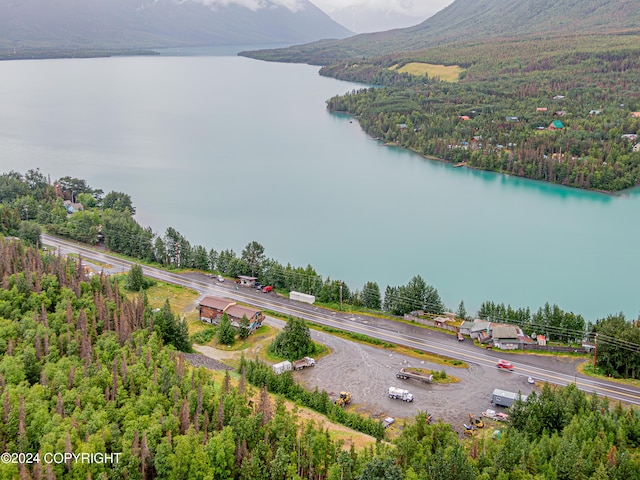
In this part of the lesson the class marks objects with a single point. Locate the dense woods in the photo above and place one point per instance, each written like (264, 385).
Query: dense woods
(500, 115)
(83, 369)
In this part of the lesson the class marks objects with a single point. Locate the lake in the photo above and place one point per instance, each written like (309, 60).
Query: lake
(228, 150)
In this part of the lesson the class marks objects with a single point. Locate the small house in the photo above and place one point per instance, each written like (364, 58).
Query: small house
(246, 281)
(478, 327)
(541, 109)
(556, 125)
(630, 136)
(542, 340)
(465, 327)
(559, 97)
(635, 114)
(636, 147)
(560, 113)
(512, 119)
(464, 117)
(402, 126)
(594, 112)
(505, 337)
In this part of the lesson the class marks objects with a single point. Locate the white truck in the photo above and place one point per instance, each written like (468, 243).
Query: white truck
(282, 367)
(400, 393)
(303, 362)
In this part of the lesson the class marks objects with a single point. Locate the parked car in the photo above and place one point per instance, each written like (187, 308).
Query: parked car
(460, 337)
(220, 278)
(505, 365)
(267, 289)
(259, 286)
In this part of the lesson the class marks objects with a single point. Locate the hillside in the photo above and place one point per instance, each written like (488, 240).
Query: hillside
(137, 24)
(466, 21)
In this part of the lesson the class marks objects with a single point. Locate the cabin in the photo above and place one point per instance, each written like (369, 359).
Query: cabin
(541, 109)
(464, 118)
(556, 125)
(512, 119)
(635, 114)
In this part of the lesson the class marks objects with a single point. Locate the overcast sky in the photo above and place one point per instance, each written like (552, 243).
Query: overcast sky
(376, 15)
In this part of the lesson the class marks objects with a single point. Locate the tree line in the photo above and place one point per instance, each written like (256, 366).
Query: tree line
(29, 203)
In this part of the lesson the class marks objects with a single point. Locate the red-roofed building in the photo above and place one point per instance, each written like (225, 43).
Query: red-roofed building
(212, 309)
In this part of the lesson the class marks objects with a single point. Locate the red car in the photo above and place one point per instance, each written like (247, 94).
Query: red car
(505, 365)
(267, 289)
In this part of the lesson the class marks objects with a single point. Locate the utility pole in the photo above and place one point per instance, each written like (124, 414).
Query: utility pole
(595, 351)
(340, 296)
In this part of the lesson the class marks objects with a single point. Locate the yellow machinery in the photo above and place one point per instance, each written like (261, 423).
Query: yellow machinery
(476, 422)
(345, 398)
(470, 430)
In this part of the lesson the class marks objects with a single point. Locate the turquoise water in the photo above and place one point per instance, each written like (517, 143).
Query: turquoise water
(228, 150)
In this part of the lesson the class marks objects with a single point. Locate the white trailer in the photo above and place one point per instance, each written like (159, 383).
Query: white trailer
(282, 367)
(302, 297)
(504, 398)
(400, 394)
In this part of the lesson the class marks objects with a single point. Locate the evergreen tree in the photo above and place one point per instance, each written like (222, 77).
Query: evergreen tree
(172, 331)
(226, 332)
(294, 341)
(371, 296)
(135, 278)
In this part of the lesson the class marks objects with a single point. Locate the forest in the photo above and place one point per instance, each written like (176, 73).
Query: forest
(561, 110)
(84, 369)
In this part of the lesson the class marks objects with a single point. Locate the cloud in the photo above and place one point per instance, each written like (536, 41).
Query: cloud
(293, 5)
(414, 8)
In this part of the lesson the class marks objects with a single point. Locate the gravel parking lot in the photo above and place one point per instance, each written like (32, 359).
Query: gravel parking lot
(367, 372)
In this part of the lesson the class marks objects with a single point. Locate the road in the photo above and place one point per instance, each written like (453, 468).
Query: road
(543, 368)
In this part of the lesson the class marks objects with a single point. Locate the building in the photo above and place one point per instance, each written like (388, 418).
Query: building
(212, 309)
(247, 281)
(556, 125)
(505, 337)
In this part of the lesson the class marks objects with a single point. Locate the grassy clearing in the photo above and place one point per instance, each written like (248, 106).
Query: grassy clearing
(181, 299)
(443, 72)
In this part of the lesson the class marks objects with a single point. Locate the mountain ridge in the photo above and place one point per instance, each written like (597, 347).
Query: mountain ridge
(464, 21)
(140, 24)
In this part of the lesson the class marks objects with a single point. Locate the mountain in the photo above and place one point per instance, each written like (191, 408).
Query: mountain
(466, 21)
(135, 24)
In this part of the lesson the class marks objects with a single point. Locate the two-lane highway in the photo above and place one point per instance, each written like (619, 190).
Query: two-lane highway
(538, 367)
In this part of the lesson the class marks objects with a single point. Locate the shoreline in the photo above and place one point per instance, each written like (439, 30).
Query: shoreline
(619, 193)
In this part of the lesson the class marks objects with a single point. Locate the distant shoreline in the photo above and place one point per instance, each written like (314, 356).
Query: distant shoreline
(60, 53)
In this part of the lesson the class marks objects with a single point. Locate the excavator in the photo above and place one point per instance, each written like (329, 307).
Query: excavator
(475, 421)
(344, 399)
